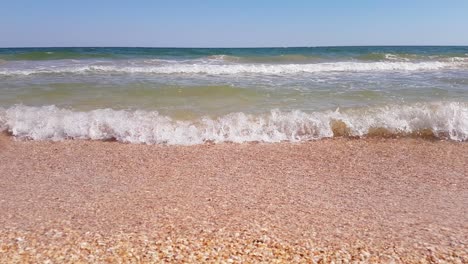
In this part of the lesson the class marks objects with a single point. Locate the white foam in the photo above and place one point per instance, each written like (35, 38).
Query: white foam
(226, 69)
(444, 119)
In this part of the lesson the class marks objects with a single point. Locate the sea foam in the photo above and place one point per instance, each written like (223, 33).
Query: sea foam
(445, 120)
(236, 68)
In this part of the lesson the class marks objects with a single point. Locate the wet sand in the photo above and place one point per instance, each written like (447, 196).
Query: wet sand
(373, 200)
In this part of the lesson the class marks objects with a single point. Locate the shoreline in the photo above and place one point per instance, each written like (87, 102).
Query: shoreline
(371, 199)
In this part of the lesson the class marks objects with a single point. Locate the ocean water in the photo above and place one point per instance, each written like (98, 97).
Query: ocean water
(192, 96)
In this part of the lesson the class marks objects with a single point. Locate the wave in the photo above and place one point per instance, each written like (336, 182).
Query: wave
(443, 120)
(368, 57)
(247, 55)
(276, 59)
(411, 57)
(390, 57)
(226, 69)
(52, 55)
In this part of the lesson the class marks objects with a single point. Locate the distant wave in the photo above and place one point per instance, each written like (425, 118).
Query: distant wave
(369, 57)
(262, 55)
(286, 58)
(411, 57)
(225, 69)
(443, 120)
(52, 55)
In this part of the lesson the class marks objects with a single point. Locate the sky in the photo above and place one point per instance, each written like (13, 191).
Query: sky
(234, 23)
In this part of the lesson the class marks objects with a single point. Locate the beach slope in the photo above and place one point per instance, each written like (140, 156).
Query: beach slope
(374, 200)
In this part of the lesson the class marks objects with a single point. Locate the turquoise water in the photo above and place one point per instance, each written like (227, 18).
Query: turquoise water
(190, 96)
(330, 53)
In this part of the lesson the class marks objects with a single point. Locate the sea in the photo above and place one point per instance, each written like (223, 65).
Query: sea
(187, 96)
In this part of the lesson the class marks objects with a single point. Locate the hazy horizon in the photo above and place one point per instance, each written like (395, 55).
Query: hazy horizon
(227, 47)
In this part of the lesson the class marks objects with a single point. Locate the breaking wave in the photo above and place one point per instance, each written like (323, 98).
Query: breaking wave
(442, 120)
(226, 69)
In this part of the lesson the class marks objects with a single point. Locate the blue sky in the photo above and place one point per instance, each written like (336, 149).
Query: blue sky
(235, 23)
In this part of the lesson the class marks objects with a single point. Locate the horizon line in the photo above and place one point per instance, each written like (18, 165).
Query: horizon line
(233, 47)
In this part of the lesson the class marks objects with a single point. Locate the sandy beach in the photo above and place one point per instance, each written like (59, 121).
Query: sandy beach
(370, 200)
